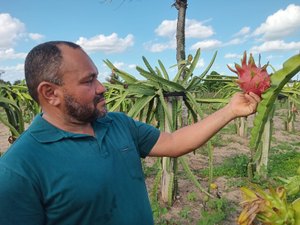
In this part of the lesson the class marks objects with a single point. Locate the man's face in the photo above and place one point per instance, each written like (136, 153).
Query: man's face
(83, 112)
(83, 94)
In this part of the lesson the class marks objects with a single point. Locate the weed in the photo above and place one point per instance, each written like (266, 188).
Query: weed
(185, 212)
(158, 212)
(217, 141)
(216, 210)
(192, 196)
(231, 167)
(283, 164)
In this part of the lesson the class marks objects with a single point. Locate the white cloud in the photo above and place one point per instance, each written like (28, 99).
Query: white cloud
(193, 29)
(209, 44)
(13, 73)
(167, 28)
(157, 47)
(233, 56)
(106, 44)
(35, 36)
(277, 45)
(11, 54)
(10, 30)
(200, 63)
(196, 29)
(235, 41)
(242, 32)
(119, 65)
(132, 66)
(280, 24)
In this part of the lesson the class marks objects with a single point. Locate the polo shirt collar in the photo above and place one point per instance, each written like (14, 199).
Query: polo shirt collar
(45, 132)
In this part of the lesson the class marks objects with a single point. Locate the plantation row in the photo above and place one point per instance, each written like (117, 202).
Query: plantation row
(170, 104)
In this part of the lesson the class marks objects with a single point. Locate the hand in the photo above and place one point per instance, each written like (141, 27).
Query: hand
(243, 104)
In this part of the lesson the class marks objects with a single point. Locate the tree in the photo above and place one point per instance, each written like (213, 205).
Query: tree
(169, 165)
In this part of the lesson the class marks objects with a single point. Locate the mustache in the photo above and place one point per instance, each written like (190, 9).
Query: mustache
(99, 98)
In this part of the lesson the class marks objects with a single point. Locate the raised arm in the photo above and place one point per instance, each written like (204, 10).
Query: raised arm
(188, 138)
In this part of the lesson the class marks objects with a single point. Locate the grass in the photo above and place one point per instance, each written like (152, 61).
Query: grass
(231, 167)
(284, 159)
(215, 211)
(283, 164)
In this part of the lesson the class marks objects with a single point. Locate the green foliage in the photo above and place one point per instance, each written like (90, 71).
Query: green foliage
(231, 167)
(284, 164)
(158, 100)
(216, 210)
(18, 107)
(192, 196)
(214, 82)
(278, 81)
(158, 213)
(185, 212)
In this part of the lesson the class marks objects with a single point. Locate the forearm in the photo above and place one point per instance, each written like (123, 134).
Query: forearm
(189, 138)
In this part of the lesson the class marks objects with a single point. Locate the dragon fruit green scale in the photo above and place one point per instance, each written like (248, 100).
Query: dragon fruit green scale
(252, 78)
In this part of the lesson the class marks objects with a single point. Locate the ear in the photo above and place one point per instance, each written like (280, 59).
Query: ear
(50, 93)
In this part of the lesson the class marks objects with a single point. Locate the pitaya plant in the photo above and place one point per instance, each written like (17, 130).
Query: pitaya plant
(270, 207)
(252, 78)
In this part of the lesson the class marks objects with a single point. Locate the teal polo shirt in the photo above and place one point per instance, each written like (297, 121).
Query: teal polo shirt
(53, 177)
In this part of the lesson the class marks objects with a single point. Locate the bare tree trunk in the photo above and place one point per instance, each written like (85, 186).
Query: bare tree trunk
(169, 183)
(241, 126)
(181, 6)
(290, 122)
(262, 165)
(169, 165)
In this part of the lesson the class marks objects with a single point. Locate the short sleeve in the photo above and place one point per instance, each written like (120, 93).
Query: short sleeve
(19, 202)
(146, 136)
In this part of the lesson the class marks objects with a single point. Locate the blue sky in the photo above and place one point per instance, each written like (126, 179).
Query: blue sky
(124, 31)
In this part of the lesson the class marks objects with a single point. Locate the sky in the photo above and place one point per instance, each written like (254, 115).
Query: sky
(123, 31)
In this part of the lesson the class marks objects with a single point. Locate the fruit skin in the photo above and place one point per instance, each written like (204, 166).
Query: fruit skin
(252, 78)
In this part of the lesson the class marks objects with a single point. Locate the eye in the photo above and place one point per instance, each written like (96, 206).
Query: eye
(90, 80)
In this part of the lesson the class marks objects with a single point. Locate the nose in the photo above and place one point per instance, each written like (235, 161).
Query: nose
(100, 89)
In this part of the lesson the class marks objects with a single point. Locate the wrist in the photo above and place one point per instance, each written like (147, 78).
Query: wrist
(228, 111)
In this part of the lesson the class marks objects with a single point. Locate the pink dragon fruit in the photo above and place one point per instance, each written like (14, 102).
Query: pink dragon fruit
(252, 78)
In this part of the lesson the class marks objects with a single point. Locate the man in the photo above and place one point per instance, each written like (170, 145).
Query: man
(78, 164)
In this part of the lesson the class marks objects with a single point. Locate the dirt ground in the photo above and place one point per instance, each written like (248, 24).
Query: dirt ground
(235, 145)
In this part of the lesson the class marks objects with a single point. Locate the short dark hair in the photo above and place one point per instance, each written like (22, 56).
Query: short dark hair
(43, 63)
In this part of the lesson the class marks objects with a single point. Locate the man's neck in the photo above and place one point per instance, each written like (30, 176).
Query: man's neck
(69, 124)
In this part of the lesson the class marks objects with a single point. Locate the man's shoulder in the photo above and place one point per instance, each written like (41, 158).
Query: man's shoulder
(116, 117)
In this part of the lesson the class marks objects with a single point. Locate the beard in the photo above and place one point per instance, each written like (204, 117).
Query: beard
(83, 112)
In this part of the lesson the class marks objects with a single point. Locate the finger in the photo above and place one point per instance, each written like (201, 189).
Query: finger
(255, 96)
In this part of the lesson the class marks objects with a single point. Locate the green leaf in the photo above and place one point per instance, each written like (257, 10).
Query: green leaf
(151, 70)
(139, 88)
(163, 69)
(126, 76)
(192, 66)
(139, 105)
(160, 116)
(212, 100)
(290, 68)
(180, 71)
(209, 66)
(166, 109)
(121, 99)
(194, 103)
(167, 85)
